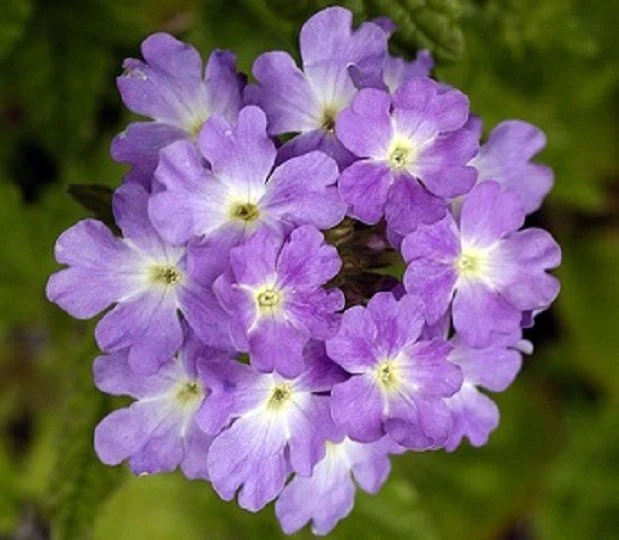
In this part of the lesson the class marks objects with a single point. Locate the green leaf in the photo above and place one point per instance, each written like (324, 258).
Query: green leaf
(97, 199)
(80, 482)
(14, 15)
(422, 24)
(582, 499)
(64, 71)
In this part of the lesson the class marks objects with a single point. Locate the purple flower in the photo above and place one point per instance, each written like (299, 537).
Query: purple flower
(308, 100)
(328, 495)
(143, 275)
(506, 159)
(492, 271)
(398, 71)
(240, 193)
(414, 154)
(173, 89)
(274, 295)
(158, 432)
(398, 382)
(279, 427)
(474, 415)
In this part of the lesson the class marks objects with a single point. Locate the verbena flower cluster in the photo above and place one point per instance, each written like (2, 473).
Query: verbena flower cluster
(251, 308)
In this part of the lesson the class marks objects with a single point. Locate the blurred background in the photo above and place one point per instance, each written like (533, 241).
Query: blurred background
(551, 468)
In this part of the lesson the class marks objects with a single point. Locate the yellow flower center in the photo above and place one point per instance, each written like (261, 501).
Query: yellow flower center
(268, 298)
(327, 121)
(190, 393)
(279, 396)
(472, 263)
(246, 212)
(387, 374)
(165, 275)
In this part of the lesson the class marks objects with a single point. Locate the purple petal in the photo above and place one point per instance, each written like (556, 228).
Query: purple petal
(364, 187)
(139, 145)
(255, 261)
(249, 455)
(113, 374)
(494, 367)
(305, 261)
(191, 202)
(130, 205)
(431, 252)
(506, 157)
(357, 407)
(317, 140)
(474, 415)
(148, 324)
(205, 316)
(167, 85)
(478, 311)
(196, 444)
(353, 346)
(428, 370)
(285, 95)
(223, 85)
(162, 452)
(409, 204)
(315, 310)
(398, 71)
(535, 251)
(422, 111)
(324, 498)
(266, 351)
(398, 322)
(329, 45)
(488, 213)
(320, 373)
(242, 155)
(297, 191)
(442, 167)
(365, 128)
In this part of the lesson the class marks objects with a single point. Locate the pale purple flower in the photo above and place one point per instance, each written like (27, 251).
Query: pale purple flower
(506, 158)
(279, 426)
(172, 87)
(398, 71)
(328, 495)
(307, 101)
(398, 381)
(157, 432)
(489, 269)
(143, 275)
(474, 415)
(274, 295)
(413, 153)
(240, 193)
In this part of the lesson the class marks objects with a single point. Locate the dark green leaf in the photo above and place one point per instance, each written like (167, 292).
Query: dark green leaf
(80, 482)
(97, 200)
(14, 15)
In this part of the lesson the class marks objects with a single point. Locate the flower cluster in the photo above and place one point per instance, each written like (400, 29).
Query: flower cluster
(254, 312)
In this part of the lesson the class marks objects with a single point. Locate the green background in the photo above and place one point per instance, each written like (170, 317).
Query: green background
(549, 471)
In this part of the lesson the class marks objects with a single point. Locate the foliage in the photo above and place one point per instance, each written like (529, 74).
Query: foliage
(550, 469)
